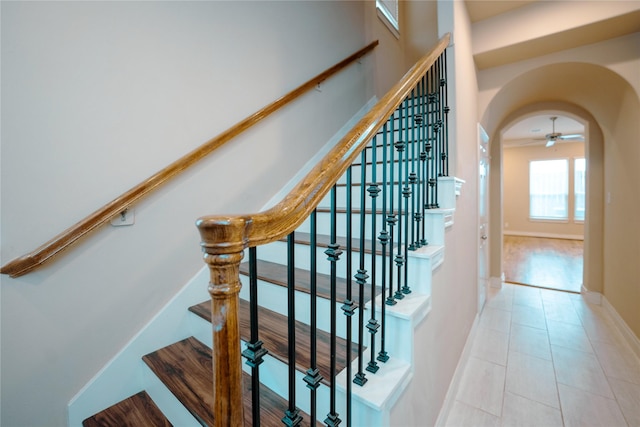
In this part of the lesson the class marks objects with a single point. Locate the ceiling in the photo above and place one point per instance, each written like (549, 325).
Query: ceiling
(508, 31)
(534, 128)
(483, 9)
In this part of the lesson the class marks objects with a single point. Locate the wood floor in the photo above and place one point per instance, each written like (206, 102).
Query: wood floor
(542, 262)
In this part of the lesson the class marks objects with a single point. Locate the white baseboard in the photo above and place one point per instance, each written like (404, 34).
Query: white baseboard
(495, 282)
(590, 296)
(622, 326)
(545, 235)
(450, 397)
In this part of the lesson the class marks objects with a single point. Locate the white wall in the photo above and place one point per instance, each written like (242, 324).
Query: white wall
(96, 97)
(454, 291)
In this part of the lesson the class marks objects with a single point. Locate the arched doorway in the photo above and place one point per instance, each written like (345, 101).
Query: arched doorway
(543, 184)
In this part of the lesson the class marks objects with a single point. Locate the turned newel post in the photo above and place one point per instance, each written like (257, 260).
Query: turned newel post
(223, 243)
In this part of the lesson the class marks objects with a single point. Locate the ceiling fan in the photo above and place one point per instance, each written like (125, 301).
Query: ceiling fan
(556, 136)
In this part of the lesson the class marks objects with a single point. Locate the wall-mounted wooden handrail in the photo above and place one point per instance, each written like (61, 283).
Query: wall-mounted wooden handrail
(224, 238)
(64, 240)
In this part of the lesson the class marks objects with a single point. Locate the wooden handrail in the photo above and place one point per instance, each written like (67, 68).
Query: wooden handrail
(224, 238)
(64, 240)
(271, 225)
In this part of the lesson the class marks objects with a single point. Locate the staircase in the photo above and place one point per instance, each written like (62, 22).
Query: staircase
(366, 255)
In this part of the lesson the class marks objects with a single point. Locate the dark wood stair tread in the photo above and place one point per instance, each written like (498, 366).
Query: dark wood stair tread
(138, 410)
(185, 368)
(277, 274)
(273, 334)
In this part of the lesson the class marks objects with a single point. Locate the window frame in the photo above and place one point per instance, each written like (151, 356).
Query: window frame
(387, 17)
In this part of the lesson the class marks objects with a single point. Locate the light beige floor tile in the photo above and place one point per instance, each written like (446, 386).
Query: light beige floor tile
(569, 336)
(491, 345)
(518, 411)
(561, 312)
(463, 415)
(531, 341)
(498, 320)
(628, 397)
(583, 409)
(482, 386)
(555, 296)
(580, 370)
(528, 316)
(618, 361)
(502, 301)
(533, 378)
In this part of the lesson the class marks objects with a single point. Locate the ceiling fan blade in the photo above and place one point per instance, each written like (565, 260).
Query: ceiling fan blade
(574, 136)
(550, 143)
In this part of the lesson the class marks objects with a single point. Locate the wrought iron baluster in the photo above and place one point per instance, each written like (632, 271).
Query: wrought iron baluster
(446, 110)
(349, 305)
(313, 376)
(406, 194)
(391, 216)
(362, 276)
(384, 239)
(413, 177)
(292, 416)
(400, 146)
(333, 255)
(423, 157)
(372, 325)
(254, 352)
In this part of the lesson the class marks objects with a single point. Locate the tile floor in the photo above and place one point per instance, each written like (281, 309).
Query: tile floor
(547, 358)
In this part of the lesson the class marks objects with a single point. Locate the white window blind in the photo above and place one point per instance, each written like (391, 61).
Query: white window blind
(549, 189)
(579, 186)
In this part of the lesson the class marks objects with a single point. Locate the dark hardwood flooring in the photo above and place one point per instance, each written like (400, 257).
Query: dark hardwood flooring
(185, 368)
(136, 411)
(273, 333)
(543, 262)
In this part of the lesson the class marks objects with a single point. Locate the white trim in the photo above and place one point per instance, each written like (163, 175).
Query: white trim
(590, 296)
(389, 22)
(622, 326)
(450, 397)
(495, 282)
(546, 235)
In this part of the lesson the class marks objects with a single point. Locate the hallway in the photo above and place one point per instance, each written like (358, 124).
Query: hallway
(547, 358)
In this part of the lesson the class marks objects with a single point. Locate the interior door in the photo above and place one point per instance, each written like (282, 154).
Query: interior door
(483, 216)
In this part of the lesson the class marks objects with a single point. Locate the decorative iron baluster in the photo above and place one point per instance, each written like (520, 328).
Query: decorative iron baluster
(391, 216)
(333, 255)
(432, 137)
(292, 416)
(254, 352)
(423, 157)
(349, 305)
(400, 145)
(384, 239)
(413, 177)
(313, 377)
(372, 325)
(406, 194)
(362, 276)
(446, 110)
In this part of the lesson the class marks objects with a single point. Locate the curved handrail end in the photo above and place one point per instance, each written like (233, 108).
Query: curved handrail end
(224, 234)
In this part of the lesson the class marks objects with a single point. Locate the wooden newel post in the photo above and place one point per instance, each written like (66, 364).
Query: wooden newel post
(223, 245)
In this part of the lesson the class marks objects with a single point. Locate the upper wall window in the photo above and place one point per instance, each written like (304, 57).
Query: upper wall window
(388, 13)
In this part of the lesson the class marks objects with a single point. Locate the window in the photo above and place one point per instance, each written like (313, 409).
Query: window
(549, 189)
(388, 13)
(579, 186)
